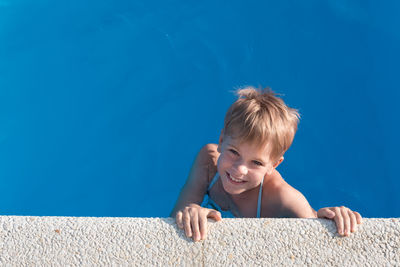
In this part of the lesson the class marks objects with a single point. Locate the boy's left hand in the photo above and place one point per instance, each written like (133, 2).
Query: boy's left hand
(346, 219)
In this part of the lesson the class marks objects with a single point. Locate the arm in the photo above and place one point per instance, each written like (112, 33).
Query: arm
(196, 185)
(294, 204)
(188, 213)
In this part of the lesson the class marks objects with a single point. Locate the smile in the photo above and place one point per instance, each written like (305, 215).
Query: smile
(234, 180)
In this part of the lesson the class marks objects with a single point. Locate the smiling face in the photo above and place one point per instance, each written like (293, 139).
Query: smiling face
(242, 166)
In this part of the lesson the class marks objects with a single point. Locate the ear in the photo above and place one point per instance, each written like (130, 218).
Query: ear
(279, 161)
(220, 141)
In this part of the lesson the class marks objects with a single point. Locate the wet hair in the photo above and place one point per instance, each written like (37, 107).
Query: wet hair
(260, 117)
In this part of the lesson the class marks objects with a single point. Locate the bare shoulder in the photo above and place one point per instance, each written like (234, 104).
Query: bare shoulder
(208, 155)
(276, 189)
(210, 149)
(285, 201)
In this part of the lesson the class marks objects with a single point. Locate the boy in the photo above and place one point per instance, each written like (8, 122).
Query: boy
(238, 177)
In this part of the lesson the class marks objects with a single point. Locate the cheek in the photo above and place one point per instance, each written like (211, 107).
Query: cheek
(223, 162)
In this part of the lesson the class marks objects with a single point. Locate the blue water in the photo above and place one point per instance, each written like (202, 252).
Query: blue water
(104, 104)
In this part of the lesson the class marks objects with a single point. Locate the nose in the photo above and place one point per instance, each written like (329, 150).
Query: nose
(241, 169)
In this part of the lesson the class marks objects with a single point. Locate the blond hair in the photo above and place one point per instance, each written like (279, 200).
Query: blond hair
(258, 116)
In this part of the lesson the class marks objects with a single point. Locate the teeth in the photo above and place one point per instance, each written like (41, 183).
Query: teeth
(234, 179)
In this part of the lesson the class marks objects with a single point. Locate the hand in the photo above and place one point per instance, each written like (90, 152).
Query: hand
(345, 218)
(193, 218)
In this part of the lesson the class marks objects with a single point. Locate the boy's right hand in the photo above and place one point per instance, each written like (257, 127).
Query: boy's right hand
(193, 219)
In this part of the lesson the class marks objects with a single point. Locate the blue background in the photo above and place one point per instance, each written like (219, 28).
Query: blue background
(104, 104)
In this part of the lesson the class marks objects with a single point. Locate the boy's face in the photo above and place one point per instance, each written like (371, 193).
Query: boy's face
(242, 166)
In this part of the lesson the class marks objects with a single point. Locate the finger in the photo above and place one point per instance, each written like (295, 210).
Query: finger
(195, 226)
(326, 213)
(339, 220)
(346, 220)
(186, 223)
(178, 219)
(353, 221)
(203, 226)
(213, 214)
(358, 216)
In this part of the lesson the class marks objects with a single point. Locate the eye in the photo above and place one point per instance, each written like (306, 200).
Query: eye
(257, 163)
(233, 152)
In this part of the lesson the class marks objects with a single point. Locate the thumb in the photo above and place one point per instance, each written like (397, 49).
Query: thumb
(213, 214)
(326, 213)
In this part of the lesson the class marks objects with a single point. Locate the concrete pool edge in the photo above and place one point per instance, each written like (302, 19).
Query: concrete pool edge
(31, 240)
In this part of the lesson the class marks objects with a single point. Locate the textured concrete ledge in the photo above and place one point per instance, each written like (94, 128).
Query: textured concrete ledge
(60, 241)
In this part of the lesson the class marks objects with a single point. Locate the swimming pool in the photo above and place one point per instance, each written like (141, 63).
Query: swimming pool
(105, 105)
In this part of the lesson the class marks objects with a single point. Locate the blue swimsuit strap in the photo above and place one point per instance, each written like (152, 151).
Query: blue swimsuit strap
(259, 193)
(212, 182)
(259, 199)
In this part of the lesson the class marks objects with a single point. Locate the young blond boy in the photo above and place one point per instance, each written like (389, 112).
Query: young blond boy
(239, 177)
